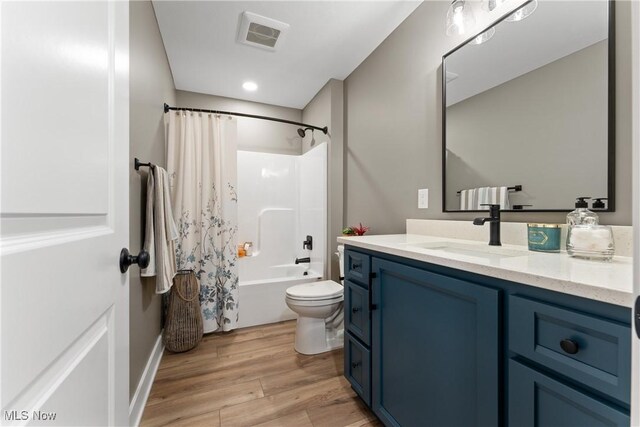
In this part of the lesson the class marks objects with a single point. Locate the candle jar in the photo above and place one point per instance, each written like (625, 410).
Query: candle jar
(544, 237)
(591, 242)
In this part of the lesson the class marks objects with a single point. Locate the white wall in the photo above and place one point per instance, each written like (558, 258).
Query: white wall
(253, 134)
(394, 125)
(281, 200)
(151, 85)
(327, 109)
(312, 190)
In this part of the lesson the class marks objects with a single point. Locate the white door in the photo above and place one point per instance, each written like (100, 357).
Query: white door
(635, 106)
(64, 338)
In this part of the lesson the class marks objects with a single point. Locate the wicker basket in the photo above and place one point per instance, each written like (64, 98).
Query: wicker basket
(183, 327)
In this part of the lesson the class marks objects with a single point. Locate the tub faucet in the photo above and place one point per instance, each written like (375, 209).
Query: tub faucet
(494, 224)
(303, 260)
(308, 243)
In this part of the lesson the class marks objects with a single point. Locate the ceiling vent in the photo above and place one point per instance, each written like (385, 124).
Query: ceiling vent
(262, 32)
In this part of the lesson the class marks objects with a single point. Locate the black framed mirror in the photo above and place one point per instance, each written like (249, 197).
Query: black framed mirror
(528, 110)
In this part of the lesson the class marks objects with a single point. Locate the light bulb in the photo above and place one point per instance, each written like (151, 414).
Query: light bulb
(523, 12)
(459, 18)
(483, 37)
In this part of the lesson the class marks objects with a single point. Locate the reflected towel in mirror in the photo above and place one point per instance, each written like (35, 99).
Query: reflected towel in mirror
(472, 199)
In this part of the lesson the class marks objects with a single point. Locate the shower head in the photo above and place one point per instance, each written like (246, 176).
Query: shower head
(302, 132)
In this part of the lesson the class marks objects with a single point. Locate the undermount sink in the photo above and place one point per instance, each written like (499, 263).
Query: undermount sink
(488, 252)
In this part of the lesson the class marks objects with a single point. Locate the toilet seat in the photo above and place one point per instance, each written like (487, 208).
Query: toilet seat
(326, 290)
(314, 302)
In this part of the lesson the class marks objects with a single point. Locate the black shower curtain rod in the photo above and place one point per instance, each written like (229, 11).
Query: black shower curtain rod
(324, 130)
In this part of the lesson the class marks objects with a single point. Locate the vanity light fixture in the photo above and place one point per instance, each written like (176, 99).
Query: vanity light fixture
(489, 5)
(523, 12)
(484, 37)
(459, 18)
(250, 86)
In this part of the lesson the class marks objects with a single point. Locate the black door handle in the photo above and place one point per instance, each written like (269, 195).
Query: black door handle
(569, 346)
(126, 259)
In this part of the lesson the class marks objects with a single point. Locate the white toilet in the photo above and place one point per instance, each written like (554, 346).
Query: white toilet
(319, 306)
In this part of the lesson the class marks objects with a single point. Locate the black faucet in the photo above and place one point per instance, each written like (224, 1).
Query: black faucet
(307, 244)
(303, 260)
(494, 223)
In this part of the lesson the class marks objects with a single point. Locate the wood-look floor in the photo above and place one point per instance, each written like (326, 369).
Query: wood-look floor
(253, 377)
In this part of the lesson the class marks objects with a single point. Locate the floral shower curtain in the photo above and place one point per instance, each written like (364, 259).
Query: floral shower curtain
(201, 162)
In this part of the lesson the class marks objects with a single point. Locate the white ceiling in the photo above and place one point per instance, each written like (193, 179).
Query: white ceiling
(556, 29)
(327, 39)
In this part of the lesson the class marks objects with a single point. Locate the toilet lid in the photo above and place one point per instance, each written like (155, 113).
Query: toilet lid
(315, 290)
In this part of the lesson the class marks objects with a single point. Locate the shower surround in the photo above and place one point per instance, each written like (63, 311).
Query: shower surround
(281, 200)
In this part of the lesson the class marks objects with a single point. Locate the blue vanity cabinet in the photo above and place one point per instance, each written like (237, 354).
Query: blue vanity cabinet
(427, 345)
(357, 317)
(536, 399)
(568, 368)
(434, 348)
(590, 350)
(357, 323)
(357, 367)
(357, 267)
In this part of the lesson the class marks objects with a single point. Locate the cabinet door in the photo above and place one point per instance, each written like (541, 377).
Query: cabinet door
(434, 349)
(536, 400)
(356, 307)
(356, 266)
(357, 367)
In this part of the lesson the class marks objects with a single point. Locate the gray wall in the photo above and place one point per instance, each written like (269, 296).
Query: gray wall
(327, 109)
(253, 134)
(393, 126)
(494, 138)
(151, 84)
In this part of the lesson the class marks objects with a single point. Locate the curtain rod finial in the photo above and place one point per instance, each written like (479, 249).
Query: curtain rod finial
(325, 130)
(166, 107)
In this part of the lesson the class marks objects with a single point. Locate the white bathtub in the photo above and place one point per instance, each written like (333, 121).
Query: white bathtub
(263, 301)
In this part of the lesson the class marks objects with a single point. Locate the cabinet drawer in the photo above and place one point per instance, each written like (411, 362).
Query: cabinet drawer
(596, 351)
(357, 267)
(357, 367)
(536, 400)
(356, 313)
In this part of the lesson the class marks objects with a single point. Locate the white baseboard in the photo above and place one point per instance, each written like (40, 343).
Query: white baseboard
(136, 407)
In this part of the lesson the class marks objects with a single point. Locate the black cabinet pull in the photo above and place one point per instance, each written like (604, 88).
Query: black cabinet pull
(354, 365)
(355, 266)
(355, 309)
(373, 307)
(569, 346)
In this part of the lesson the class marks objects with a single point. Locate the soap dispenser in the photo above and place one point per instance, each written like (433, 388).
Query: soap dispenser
(598, 203)
(582, 215)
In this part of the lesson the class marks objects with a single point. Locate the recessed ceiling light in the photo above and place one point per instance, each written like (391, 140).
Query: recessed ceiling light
(250, 86)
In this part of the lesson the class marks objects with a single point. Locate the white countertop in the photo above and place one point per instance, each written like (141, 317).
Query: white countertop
(610, 282)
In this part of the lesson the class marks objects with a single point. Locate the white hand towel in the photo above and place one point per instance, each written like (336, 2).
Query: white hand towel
(160, 231)
(149, 233)
(503, 198)
(483, 199)
(464, 194)
(469, 199)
